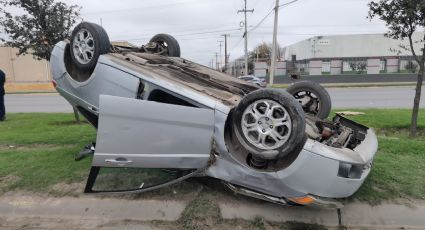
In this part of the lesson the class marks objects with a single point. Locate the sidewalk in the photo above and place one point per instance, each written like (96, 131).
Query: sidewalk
(91, 212)
(357, 85)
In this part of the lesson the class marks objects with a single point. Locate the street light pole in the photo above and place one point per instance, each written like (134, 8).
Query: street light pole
(273, 61)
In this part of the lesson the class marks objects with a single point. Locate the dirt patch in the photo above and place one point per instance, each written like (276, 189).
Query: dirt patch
(47, 223)
(31, 147)
(7, 180)
(64, 189)
(202, 213)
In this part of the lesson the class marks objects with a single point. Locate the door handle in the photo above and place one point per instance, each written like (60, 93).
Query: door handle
(119, 162)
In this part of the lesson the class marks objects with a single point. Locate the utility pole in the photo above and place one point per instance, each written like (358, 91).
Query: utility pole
(273, 64)
(226, 58)
(221, 54)
(216, 60)
(246, 36)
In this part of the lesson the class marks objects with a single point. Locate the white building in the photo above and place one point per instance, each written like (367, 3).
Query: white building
(261, 69)
(336, 54)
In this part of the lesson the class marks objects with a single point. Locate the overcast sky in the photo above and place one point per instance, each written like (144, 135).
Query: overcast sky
(198, 24)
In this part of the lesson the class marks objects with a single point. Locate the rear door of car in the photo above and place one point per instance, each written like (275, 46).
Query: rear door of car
(142, 145)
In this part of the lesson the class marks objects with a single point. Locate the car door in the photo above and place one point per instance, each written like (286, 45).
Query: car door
(143, 145)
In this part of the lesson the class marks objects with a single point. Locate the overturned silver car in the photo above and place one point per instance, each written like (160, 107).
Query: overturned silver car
(156, 111)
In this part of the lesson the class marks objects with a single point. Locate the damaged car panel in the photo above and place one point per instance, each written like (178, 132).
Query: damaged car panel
(158, 128)
(161, 119)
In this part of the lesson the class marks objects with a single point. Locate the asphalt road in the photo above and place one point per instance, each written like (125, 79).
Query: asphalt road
(342, 98)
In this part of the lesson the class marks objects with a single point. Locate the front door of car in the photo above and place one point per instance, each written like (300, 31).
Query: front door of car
(142, 145)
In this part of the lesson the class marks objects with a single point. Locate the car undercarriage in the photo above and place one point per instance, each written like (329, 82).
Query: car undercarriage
(156, 111)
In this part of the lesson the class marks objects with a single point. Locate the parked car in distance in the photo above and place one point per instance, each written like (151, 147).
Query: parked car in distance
(255, 80)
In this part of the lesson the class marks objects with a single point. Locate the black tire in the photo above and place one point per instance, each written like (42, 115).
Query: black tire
(169, 43)
(100, 45)
(296, 138)
(319, 107)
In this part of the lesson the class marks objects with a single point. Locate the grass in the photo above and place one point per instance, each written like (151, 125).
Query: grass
(36, 153)
(399, 166)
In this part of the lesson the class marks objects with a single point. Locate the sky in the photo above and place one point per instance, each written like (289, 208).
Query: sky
(199, 24)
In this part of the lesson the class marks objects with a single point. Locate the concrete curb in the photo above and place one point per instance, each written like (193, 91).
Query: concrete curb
(356, 85)
(90, 208)
(356, 215)
(96, 210)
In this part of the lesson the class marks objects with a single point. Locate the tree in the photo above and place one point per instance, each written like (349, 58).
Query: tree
(264, 52)
(359, 67)
(42, 24)
(411, 66)
(403, 18)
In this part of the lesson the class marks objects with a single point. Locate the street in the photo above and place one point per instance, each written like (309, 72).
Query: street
(374, 97)
(342, 98)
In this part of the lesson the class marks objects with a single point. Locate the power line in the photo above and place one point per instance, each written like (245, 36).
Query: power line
(262, 20)
(236, 45)
(187, 34)
(288, 3)
(269, 13)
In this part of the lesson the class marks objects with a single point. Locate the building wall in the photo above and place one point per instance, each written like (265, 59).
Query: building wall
(392, 65)
(336, 67)
(373, 65)
(23, 68)
(280, 68)
(260, 69)
(345, 46)
(315, 67)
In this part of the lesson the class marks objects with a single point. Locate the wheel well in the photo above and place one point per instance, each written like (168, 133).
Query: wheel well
(239, 152)
(73, 71)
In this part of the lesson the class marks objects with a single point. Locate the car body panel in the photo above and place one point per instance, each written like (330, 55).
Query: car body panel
(312, 172)
(136, 131)
(152, 135)
(104, 80)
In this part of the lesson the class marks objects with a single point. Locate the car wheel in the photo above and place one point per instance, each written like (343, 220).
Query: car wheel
(270, 124)
(88, 42)
(314, 99)
(167, 44)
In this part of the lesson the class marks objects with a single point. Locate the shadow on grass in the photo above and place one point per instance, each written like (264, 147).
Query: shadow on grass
(68, 123)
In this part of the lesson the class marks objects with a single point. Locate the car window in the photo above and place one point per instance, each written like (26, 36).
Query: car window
(128, 179)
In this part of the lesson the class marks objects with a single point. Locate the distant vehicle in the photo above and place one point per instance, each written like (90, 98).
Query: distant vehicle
(255, 80)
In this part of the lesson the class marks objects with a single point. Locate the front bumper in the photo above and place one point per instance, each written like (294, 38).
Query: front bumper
(328, 172)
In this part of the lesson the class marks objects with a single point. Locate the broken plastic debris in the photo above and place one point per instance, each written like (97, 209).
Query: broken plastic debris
(350, 113)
